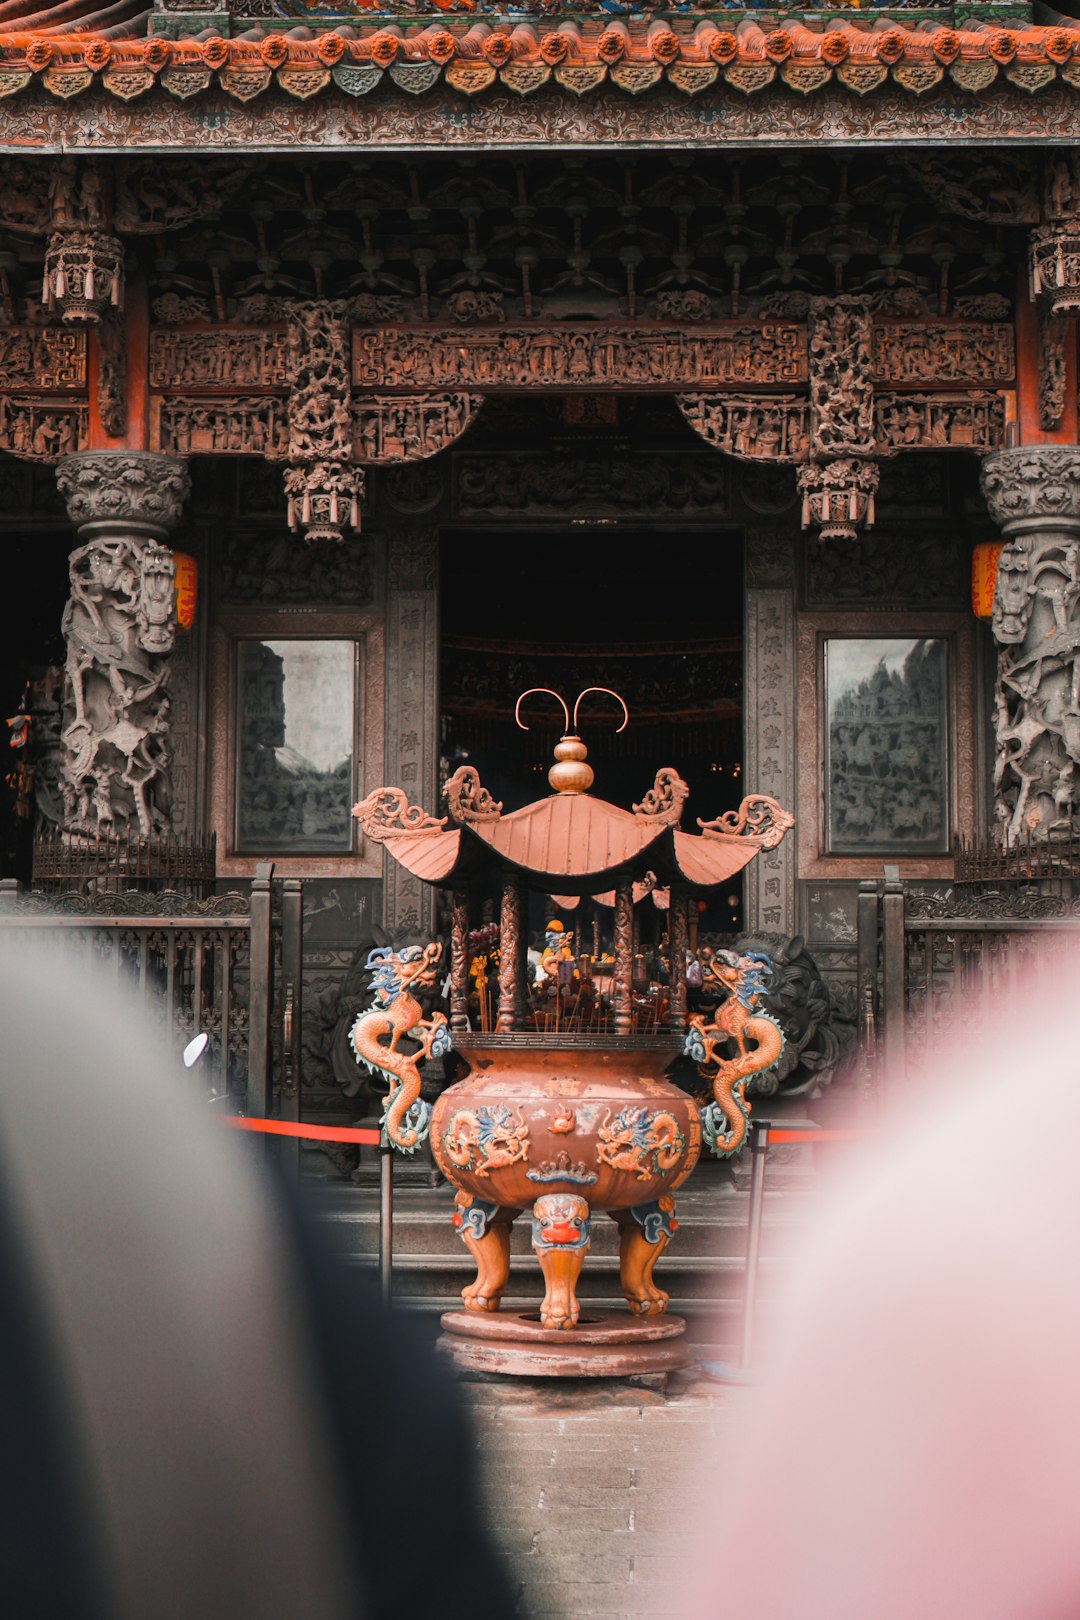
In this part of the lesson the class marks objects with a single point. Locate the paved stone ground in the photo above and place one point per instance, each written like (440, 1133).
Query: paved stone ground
(590, 1490)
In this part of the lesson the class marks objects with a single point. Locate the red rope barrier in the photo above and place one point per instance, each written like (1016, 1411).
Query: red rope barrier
(779, 1138)
(313, 1133)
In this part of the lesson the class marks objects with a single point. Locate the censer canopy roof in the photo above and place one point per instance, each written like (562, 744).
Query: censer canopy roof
(570, 842)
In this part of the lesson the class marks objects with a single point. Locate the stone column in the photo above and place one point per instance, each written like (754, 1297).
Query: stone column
(770, 705)
(119, 625)
(412, 709)
(1033, 493)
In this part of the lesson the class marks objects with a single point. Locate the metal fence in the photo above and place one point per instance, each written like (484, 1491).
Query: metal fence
(228, 965)
(927, 960)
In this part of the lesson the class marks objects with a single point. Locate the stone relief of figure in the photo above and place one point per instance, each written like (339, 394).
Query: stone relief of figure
(118, 626)
(1038, 689)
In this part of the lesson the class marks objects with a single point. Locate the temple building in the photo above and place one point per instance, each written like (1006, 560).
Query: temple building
(364, 366)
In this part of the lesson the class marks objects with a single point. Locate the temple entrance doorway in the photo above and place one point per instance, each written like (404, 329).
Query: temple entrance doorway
(649, 604)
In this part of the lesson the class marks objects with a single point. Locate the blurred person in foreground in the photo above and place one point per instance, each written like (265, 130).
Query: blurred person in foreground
(912, 1448)
(201, 1417)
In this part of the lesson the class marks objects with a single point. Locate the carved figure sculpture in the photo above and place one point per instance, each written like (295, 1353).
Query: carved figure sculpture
(724, 1121)
(119, 630)
(1034, 494)
(398, 977)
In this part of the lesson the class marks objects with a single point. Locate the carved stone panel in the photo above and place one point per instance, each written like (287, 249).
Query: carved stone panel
(239, 425)
(42, 429)
(259, 569)
(400, 428)
(42, 359)
(751, 427)
(841, 378)
(567, 357)
(916, 566)
(770, 729)
(412, 721)
(222, 359)
(944, 353)
(519, 483)
(940, 421)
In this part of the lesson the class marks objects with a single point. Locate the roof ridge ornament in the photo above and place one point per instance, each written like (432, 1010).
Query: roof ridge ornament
(758, 816)
(571, 773)
(665, 799)
(387, 813)
(468, 799)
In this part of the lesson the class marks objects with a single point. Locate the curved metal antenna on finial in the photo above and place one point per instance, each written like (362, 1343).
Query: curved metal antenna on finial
(610, 693)
(530, 693)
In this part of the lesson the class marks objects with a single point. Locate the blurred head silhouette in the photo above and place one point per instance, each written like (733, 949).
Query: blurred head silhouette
(911, 1449)
(165, 1450)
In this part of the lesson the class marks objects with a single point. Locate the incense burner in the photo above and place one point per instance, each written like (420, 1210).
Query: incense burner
(561, 1114)
(565, 1128)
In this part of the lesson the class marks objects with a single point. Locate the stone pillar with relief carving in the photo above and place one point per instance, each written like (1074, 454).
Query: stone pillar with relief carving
(1033, 493)
(119, 625)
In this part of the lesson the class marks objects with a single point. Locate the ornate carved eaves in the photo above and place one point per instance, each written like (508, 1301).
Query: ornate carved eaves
(46, 359)
(703, 357)
(384, 430)
(566, 356)
(592, 60)
(841, 369)
(941, 421)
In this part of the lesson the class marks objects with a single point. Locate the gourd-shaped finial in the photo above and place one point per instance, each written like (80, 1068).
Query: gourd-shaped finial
(571, 772)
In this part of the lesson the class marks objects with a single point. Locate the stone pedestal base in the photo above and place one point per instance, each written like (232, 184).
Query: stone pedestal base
(606, 1344)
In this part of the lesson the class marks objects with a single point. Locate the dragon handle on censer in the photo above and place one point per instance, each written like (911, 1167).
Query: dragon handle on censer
(398, 977)
(736, 1021)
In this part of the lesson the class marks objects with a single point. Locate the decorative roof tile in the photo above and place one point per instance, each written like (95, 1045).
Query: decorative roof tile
(41, 47)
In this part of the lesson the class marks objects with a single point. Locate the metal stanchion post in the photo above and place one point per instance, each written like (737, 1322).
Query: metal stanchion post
(386, 1218)
(759, 1147)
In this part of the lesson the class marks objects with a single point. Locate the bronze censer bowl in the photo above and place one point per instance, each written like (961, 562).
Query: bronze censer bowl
(565, 1110)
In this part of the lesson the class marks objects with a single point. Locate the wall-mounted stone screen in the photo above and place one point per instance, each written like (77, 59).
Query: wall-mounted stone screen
(296, 708)
(886, 702)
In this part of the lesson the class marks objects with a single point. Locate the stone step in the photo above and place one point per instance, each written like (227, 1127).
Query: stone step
(701, 1269)
(711, 1231)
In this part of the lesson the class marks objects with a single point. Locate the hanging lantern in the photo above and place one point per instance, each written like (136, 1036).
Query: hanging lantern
(84, 274)
(324, 499)
(1055, 265)
(187, 588)
(838, 496)
(984, 567)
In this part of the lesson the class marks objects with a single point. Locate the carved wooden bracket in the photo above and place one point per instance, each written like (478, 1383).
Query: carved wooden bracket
(1055, 243)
